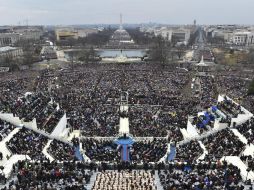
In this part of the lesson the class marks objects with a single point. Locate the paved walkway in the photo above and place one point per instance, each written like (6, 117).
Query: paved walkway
(124, 126)
(124, 122)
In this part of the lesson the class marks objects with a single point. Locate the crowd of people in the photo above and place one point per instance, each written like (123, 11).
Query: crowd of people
(208, 94)
(52, 121)
(37, 106)
(91, 99)
(202, 177)
(28, 142)
(46, 175)
(235, 84)
(249, 161)
(125, 180)
(155, 121)
(159, 104)
(61, 151)
(204, 122)
(101, 150)
(223, 143)
(189, 152)
(148, 151)
(139, 152)
(247, 130)
(5, 129)
(229, 108)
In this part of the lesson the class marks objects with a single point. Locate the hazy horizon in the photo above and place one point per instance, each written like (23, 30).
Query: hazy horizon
(79, 12)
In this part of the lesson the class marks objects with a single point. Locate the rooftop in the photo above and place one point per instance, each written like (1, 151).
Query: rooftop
(7, 48)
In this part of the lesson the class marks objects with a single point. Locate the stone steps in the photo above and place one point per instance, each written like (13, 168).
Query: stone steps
(89, 186)
(157, 181)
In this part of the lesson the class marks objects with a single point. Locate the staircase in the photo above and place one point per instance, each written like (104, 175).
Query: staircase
(78, 154)
(157, 181)
(172, 153)
(89, 186)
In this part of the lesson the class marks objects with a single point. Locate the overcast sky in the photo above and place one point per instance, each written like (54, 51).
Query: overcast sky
(134, 11)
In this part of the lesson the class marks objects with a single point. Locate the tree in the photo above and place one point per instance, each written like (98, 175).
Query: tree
(193, 38)
(251, 56)
(140, 38)
(100, 38)
(73, 56)
(87, 55)
(9, 62)
(180, 49)
(251, 88)
(31, 50)
(84, 56)
(92, 54)
(217, 40)
(160, 51)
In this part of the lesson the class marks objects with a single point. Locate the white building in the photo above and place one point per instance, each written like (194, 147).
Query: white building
(34, 33)
(238, 35)
(10, 52)
(181, 35)
(243, 38)
(7, 39)
(174, 33)
(82, 33)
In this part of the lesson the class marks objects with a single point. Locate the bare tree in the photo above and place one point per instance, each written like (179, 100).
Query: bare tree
(251, 56)
(160, 51)
(180, 50)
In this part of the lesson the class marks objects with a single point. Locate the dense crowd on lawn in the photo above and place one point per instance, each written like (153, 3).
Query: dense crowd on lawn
(157, 121)
(208, 91)
(248, 103)
(90, 97)
(235, 84)
(202, 176)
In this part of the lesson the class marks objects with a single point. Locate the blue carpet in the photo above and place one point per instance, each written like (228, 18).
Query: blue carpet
(78, 155)
(125, 143)
(172, 153)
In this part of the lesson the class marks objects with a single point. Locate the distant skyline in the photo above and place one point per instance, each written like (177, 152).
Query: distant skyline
(70, 12)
